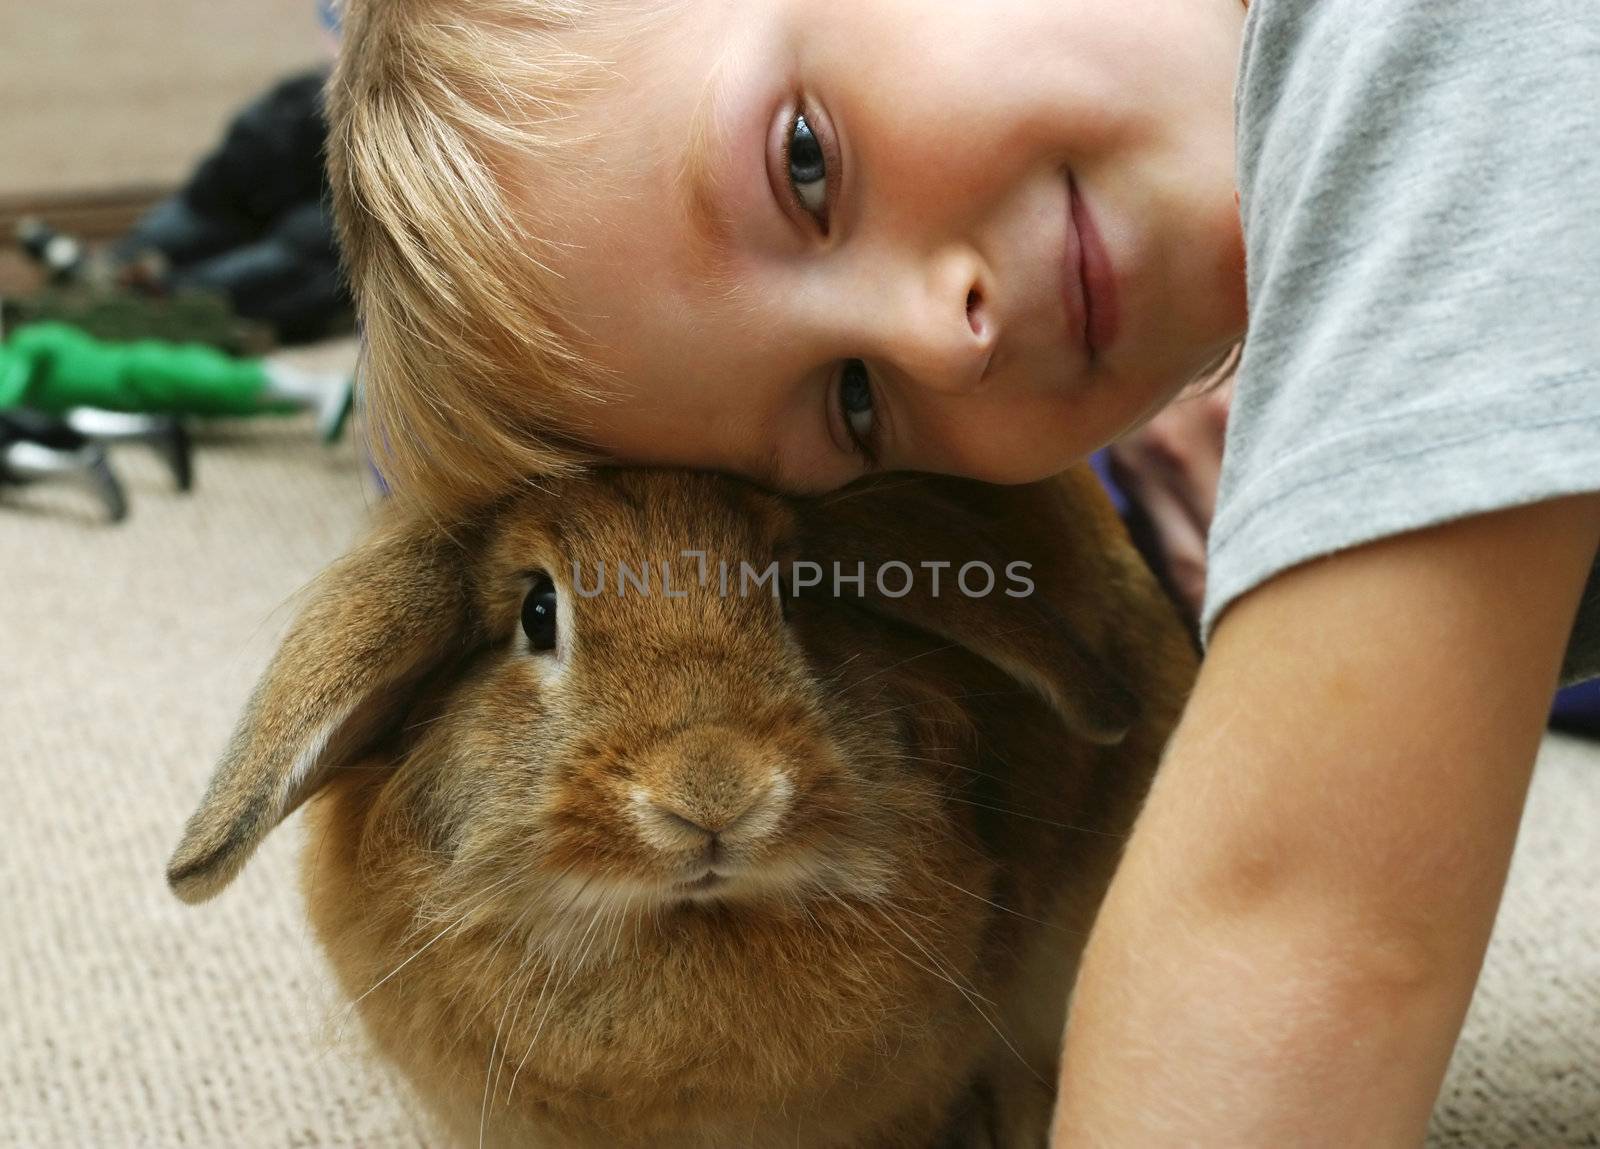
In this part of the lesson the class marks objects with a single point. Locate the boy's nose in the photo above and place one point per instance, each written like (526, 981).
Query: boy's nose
(939, 328)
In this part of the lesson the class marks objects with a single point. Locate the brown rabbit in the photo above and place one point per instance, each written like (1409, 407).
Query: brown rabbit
(703, 868)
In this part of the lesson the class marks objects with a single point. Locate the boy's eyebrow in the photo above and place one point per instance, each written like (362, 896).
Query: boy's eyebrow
(703, 176)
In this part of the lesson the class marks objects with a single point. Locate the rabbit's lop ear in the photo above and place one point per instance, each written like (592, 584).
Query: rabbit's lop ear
(376, 622)
(909, 530)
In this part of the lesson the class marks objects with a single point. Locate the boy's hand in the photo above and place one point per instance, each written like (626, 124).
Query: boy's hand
(1291, 942)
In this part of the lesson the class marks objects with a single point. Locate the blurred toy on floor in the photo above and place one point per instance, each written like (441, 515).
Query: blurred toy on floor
(175, 319)
(54, 367)
(249, 226)
(37, 448)
(65, 396)
(114, 302)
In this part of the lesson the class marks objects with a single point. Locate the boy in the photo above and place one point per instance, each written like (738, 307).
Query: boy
(804, 240)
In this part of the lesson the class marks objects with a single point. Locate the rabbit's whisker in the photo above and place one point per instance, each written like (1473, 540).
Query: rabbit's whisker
(973, 997)
(622, 915)
(956, 979)
(828, 679)
(423, 723)
(613, 914)
(534, 973)
(544, 989)
(529, 963)
(427, 945)
(939, 699)
(1036, 818)
(931, 651)
(480, 967)
(484, 962)
(483, 1114)
(1015, 913)
(936, 972)
(542, 1015)
(554, 994)
(893, 666)
(488, 1002)
(1032, 793)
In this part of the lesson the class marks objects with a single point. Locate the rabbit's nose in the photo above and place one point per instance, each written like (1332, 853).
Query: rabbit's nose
(681, 822)
(706, 822)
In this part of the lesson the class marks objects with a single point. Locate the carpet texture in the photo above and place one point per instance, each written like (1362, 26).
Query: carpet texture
(129, 1019)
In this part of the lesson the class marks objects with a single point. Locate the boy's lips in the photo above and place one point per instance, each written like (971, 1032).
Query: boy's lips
(1089, 280)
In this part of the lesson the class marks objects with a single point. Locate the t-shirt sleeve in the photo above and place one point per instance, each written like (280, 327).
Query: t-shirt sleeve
(1420, 192)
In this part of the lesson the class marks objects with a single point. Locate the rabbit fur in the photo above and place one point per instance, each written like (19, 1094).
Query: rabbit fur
(718, 870)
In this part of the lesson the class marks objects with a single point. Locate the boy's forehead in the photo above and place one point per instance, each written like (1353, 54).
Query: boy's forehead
(638, 223)
(659, 123)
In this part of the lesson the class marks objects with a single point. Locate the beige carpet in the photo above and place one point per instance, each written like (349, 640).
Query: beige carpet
(128, 1019)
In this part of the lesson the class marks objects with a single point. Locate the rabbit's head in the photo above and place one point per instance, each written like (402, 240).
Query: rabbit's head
(652, 687)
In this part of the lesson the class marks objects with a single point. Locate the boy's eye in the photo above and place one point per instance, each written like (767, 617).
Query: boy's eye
(808, 169)
(855, 402)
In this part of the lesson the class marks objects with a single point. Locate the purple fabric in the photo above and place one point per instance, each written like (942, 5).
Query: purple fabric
(1101, 462)
(1577, 709)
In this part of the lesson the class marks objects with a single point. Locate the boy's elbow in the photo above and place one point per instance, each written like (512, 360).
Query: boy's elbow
(1340, 942)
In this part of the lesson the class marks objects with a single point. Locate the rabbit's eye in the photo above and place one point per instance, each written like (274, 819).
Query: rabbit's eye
(539, 613)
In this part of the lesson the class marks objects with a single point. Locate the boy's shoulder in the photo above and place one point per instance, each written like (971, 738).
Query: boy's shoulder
(1415, 178)
(1290, 44)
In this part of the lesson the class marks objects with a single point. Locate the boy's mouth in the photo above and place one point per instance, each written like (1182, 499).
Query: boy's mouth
(1089, 279)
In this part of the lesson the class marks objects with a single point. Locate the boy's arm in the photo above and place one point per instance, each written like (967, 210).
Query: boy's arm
(1291, 942)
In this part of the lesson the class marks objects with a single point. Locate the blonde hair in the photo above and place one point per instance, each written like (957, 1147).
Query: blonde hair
(470, 383)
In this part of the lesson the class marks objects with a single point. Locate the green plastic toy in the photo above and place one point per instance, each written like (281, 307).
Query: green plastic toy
(54, 367)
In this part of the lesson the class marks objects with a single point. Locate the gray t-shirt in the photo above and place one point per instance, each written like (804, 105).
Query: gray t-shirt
(1420, 187)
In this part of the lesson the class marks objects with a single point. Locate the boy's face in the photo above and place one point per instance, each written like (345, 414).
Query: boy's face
(1004, 233)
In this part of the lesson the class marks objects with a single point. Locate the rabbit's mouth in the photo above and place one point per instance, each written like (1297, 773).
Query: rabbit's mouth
(705, 883)
(780, 879)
